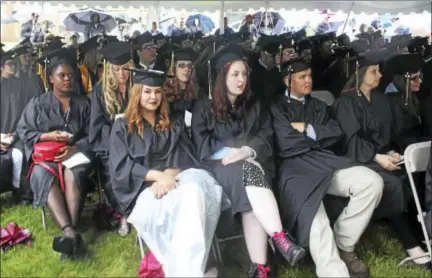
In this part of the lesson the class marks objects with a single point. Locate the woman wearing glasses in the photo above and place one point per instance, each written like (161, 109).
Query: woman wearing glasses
(407, 79)
(180, 87)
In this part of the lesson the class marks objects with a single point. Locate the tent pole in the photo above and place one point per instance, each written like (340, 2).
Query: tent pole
(349, 13)
(221, 18)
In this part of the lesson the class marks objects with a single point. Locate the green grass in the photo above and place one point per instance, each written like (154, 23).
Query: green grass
(114, 256)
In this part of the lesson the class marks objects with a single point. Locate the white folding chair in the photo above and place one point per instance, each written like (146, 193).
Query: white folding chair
(416, 160)
(325, 96)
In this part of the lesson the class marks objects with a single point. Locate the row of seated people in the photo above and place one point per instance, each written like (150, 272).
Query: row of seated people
(273, 164)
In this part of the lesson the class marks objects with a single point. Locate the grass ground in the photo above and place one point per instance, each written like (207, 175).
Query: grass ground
(114, 256)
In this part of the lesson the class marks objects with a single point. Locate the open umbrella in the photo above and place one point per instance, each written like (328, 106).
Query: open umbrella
(5, 19)
(77, 21)
(263, 17)
(123, 18)
(207, 23)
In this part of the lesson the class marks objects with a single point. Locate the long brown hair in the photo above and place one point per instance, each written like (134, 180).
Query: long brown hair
(221, 106)
(133, 113)
(172, 88)
(352, 84)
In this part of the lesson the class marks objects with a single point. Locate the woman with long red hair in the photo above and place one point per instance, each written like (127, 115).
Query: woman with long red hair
(234, 137)
(173, 205)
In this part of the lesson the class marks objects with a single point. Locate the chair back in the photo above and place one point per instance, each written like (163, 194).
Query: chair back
(325, 96)
(417, 157)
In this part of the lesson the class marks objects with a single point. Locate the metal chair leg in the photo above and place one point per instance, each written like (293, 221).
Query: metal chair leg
(43, 218)
(141, 245)
(218, 251)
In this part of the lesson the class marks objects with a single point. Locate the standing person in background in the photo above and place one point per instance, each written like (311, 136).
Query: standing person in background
(94, 28)
(27, 28)
(41, 32)
(196, 27)
(248, 26)
(227, 30)
(155, 30)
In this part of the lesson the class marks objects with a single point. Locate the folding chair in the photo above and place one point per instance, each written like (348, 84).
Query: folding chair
(226, 230)
(325, 96)
(416, 160)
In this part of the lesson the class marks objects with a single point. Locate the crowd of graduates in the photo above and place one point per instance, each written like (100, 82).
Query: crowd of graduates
(301, 138)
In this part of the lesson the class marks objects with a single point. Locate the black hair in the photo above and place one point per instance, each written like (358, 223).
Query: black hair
(53, 68)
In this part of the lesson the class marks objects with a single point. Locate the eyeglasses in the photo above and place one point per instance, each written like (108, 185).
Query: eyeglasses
(183, 66)
(416, 78)
(10, 63)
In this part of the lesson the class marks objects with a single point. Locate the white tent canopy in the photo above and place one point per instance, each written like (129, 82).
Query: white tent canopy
(392, 7)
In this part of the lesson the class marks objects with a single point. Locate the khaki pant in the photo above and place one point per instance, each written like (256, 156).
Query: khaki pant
(364, 187)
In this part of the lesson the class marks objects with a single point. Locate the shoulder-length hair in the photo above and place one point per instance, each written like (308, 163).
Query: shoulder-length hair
(355, 80)
(134, 117)
(109, 86)
(221, 106)
(172, 88)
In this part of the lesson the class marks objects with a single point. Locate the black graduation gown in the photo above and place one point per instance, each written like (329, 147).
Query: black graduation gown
(306, 166)
(407, 124)
(265, 84)
(428, 189)
(99, 134)
(180, 105)
(32, 83)
(369, 130)
(44, 114)
(210, 135)
(6, 171)
(131, 157)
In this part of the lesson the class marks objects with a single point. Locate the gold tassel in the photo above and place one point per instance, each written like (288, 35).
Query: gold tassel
(290, 70)
(130, 82)
(45, 81)
(171, 68)
(39, 65)
(214, 47)
(407, 83)
(104, 74)
(357, 78)
(209, 79)
(347, 65)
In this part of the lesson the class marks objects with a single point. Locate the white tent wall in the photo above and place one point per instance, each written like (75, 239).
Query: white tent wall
(392, 7)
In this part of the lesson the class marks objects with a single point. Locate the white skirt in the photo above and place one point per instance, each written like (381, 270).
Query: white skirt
(179, 227)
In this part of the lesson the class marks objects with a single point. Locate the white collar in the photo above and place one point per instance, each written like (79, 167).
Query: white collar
(147, 67)
(302, 99)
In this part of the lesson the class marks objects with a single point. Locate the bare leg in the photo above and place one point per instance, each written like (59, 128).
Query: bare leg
(255, 237)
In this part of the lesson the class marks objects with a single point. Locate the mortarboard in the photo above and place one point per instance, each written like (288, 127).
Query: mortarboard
(303, 44)
(5, 56)
(419, 41)
(92, 43)
(20, 50)
(370, 58)
(294, 66)
(118, 53)
(228, 54)
(152, 78)
(286, 42)
(158, 37)
(404, 63)
(184, 54)
(144, 38)
(269, 44)
(360, 46)
(55, 57)
(167, 49)
(299, 35)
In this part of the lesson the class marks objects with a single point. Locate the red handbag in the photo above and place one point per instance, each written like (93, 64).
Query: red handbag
(150, 267)
(46, 152)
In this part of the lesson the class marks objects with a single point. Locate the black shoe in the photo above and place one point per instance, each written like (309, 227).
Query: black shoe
(291, 252)
(259, 271)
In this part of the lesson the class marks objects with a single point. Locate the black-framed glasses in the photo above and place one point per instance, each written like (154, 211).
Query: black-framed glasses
(10, 63)
(183, 66)
(416, 78)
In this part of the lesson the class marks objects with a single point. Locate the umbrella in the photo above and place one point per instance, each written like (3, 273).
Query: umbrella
(207, 23)
(5, 19)
(123, 18)
(272, 17)
(77, 21)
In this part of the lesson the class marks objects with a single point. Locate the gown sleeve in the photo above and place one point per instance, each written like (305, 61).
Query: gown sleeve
(289, 141)
(347, 113)
(202, 136)
(83, 143)
(100, 126)
(27, 128)
(328, 131)
(124, 170)
(262, 142)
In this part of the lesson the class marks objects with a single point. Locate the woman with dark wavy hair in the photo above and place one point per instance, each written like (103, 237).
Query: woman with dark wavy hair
(180, 87)
(173, 205)
(234, 137)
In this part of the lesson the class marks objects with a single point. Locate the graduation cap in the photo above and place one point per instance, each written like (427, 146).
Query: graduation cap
(215, 42)
(152, 78)
(167, 49)
(144, 38)
(197, 36)
(417, 42)
(405, 64)
(293, 66)
(118, 53)
(184, 54)
(50, 47)
(399, 41)
(324, 37)
(55, 57)
(303, 44)
(25, 41)
(299, 35)
(159, 37)
(54, 38)
(286, 42)
(6, 56)
(360, 46)
(92, 43)
(342, 39)
(20, 50)
(268, 44)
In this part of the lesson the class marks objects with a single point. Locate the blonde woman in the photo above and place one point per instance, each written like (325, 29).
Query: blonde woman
(110, 98)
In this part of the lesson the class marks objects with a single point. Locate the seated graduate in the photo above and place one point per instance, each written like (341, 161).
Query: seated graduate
(32, 84)
(234, 137)
(180, 87)
(59, 116)
(304, 132)
(110, 98)
(407, 79)
(90, 68)
(366, 118)
(173, 205)
(10, 113)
